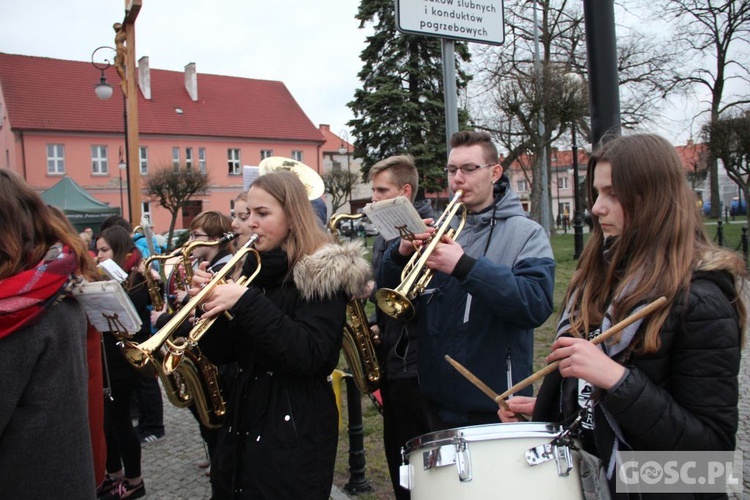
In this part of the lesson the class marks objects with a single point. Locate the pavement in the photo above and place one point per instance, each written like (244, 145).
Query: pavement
(171, 472)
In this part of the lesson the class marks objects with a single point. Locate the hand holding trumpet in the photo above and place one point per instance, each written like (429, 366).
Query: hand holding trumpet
(223, 297)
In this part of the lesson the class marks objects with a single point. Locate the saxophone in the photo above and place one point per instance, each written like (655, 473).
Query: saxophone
(359, 341)
(195, 380)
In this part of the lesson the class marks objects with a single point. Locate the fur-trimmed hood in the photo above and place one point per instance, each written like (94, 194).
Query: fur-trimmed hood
(333, 268)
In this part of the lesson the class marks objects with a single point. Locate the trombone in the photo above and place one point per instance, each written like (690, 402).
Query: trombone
(397, 303)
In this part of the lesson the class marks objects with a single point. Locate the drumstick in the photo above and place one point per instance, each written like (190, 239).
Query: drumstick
(598, 340)
(478, 383)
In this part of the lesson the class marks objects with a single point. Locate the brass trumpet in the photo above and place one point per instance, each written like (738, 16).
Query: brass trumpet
(397, 303)
(177, 347)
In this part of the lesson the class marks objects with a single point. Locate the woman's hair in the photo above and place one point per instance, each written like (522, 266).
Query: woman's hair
(663, 239)
(214, 223)
(121, 243)
(305, 234)
(30, 228)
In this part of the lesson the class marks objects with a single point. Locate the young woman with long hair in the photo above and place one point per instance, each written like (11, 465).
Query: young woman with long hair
(280, 433)
(44, 420)
(669, 381)
(124, 478)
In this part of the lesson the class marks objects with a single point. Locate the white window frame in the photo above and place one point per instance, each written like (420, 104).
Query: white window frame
(189, 158)
(202, 160)
(56, 159)
(562, 181)
(99, 162)
(265, 153)
(176, 157)
(143, 159)
(297, 155)
(233, 161)
(522, 186)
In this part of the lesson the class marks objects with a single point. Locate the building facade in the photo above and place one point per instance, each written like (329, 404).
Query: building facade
(52, 124)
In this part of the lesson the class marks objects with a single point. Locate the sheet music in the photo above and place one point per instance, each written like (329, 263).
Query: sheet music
(108, 307)
(395, 218)
(249, 174)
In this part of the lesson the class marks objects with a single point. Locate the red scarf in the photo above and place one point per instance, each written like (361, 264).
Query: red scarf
(25, 295)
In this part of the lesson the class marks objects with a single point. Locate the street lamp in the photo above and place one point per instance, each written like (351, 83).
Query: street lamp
(124, 63)
(575, 81)
(344, 150)
(104, 91)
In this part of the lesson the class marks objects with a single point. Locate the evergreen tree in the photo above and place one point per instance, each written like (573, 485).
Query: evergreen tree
(400, 107)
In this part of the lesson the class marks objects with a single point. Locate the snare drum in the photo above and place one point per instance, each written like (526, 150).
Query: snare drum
(513, 460)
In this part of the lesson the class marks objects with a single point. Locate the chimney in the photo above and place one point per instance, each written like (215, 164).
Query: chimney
(324, 127)
(144, 77)
(191, 81)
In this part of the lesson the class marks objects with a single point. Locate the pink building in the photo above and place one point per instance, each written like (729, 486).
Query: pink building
(52, 124)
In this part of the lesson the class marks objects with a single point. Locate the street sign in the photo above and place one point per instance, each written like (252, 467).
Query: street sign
(478, 21)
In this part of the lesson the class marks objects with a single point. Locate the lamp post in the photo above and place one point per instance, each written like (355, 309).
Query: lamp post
(344, 150)
(575, 81)
(124, 63)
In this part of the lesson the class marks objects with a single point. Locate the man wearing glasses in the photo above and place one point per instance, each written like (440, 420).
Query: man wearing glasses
(492, 286)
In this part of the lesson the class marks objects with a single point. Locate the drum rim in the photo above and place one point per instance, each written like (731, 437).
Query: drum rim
(476, 433)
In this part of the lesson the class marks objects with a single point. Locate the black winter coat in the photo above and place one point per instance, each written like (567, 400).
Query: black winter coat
(280, 434)
(682, 397)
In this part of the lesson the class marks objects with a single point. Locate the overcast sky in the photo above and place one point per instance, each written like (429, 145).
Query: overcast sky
(312, 46)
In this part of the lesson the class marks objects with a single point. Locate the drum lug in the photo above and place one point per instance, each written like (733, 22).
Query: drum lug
(406, 476)
(546, 452)
(463, 462)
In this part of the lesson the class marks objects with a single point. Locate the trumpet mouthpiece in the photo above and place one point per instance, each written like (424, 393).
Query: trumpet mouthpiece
(228, 237)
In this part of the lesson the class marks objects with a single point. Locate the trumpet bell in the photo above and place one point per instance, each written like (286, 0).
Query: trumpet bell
(310, 179)
(394, 304)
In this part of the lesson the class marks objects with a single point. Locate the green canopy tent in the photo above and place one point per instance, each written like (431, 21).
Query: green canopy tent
(82, 209)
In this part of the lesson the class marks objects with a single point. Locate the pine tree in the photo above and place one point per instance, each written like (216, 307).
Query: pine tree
(399, 108)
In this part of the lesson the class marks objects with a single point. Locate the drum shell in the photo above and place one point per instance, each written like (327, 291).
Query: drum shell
(497, 463)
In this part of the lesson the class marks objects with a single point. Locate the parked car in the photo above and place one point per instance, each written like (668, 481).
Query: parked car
(354, 228)
(179, 236)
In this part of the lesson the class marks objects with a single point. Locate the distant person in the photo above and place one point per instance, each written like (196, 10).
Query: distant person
(45, 443)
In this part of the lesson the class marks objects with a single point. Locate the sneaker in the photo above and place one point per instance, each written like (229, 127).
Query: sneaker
(126, 490)
(151, 438)
(107, 485)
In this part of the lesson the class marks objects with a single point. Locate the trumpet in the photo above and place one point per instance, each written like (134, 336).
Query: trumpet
(157, 301)
(397, 303)
(177, 347)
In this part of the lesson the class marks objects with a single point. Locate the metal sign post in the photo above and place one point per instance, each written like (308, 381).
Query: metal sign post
(469, 20)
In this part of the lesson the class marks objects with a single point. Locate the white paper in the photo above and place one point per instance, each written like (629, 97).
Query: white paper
(110, 268)
(249, 174)
(395, 218)
(108, 307)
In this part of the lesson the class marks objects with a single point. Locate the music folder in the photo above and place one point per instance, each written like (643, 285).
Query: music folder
(395, 218)
(108, 307)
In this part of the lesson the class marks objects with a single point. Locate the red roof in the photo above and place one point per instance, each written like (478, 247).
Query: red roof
(58, 95)
(694, 156)
(333, 142)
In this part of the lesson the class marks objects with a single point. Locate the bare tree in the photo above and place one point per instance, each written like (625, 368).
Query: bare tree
(172, 187)
(339, 184)
(713, 37)
(512, 95)
(728, 140)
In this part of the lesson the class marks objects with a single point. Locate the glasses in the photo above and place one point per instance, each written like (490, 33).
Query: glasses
(195, 236)
(467, 169)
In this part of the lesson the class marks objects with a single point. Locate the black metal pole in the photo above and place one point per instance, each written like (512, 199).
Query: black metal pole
(601, 48)
(577, 215)
(127, 162)
(357, 480)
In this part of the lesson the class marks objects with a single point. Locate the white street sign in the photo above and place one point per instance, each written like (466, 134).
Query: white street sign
(471, 20)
